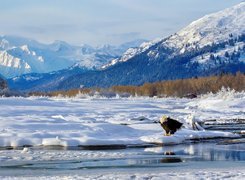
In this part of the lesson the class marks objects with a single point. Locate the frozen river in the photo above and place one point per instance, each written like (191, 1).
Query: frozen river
(193, 159)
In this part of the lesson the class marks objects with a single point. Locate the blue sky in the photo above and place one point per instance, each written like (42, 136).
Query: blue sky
(99, 22)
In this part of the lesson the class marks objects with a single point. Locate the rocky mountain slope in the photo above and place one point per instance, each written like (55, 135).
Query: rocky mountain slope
(3, 86)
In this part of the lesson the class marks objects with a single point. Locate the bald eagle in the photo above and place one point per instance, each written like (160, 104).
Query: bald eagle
(170, 125)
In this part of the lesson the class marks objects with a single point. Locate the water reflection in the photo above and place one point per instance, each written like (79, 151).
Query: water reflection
(171, 160)
(155, 161)
(203, 152)
(169, 153)
(167, 156)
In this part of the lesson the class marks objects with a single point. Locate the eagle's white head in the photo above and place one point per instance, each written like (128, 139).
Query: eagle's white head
(163, 119)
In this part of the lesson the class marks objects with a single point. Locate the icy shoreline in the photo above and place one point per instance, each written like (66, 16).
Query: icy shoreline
(236, 172)
(185, 161)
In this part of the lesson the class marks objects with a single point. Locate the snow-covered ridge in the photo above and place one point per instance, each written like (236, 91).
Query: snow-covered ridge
(213, 28)
(224, 55)
(131, 52)
(10, 65)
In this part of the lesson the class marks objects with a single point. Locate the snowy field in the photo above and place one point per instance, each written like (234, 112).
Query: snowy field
(82, 122)
(101, 121)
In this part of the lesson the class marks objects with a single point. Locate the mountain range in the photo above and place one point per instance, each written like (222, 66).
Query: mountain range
(211, 45)
(20, 56)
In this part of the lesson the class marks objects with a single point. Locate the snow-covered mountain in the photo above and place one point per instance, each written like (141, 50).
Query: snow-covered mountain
(21, 56)
(211, 45)
(131, 52)
(96, 58)
(212, 29)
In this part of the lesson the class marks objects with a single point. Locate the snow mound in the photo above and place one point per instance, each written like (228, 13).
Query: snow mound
(184, 135)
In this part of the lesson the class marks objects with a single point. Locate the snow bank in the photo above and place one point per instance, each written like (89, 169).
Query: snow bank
(86, 122)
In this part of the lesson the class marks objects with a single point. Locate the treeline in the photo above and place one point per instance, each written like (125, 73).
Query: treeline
(68, 93)
(181, 88)
(178, 88)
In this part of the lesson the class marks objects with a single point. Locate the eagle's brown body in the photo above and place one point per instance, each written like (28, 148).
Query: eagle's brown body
(170, 125)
